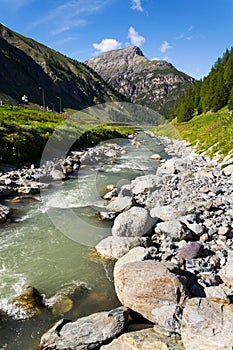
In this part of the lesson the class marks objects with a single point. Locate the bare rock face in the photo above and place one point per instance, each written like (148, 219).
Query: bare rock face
(147, 339)
(151, 289)
(87, 332)
(154, 83)
(207, 325)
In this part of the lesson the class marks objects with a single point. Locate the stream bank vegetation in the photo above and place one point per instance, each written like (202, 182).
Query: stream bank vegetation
(24, 133)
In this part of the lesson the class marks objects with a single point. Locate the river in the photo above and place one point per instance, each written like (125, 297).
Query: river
(34, 252)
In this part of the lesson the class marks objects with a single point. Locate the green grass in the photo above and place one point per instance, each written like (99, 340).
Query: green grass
(211, 133)
(24, 133)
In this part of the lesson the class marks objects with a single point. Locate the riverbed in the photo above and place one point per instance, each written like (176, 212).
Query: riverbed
(36, 252)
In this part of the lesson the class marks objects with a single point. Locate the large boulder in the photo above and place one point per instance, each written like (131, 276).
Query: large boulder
(146, 339)
(207, 325)
(87, 332)
(151, 289)
(226, 272)
(115, 247)
(133, 223)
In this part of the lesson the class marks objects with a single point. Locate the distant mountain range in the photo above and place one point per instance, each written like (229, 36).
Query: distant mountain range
(156, 83)
(51, 79)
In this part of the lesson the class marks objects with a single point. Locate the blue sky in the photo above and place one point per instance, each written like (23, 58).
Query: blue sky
(191, 34)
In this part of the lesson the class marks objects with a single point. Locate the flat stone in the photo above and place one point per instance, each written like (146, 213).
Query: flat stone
(87, 332)
(145, 184)
(119, 204)
(115, 247)
(146, 339)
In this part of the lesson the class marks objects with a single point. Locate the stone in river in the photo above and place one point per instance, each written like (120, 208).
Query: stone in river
(87, 332)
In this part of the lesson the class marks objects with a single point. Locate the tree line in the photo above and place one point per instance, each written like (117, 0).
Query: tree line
(210, 94)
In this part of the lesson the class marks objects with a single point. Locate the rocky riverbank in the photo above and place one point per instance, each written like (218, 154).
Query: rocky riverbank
(172, 242)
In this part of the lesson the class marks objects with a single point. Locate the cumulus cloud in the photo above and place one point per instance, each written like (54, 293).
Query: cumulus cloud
(136, 5)
(135, 38)
(107, 45)
(165, 46)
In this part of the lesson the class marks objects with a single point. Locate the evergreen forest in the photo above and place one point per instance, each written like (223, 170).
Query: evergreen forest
(210, 94)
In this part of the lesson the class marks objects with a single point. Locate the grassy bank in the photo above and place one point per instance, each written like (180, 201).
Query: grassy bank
(24, 133)
(211, 133)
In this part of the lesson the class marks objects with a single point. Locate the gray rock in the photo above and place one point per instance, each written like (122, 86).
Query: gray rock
(163, 212)
(226, 272)
(115, 247)
(111, 194)
(145, 184)
(87, 332)
(119, 204)
(207, 325)
(133, 222)
(5, 190)
(57, 175)
(4, 213)
(174, 229)
(171, 166)
(145, 339)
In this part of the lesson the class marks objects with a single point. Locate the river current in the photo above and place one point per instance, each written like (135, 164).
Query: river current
(34, 252)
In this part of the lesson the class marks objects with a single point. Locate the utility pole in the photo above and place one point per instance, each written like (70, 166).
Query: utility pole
(43, 97)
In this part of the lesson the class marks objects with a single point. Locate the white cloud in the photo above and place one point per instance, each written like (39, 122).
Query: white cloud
(165, 46)
(72, 13)
(59, 30)
(135, 38)
(107, 45)
(136, 5)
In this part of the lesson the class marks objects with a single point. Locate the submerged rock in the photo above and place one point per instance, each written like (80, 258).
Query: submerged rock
(29, 303)
(87, 332)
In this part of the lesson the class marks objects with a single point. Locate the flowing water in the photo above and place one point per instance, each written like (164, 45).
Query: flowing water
(37, 251)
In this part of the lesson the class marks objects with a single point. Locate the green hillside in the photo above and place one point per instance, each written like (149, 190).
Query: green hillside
(32, 69)
(24, 133)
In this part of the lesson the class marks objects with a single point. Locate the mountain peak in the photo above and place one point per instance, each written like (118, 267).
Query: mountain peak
(155, 83)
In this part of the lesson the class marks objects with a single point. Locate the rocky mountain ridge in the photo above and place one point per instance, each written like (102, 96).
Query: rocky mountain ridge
(155, 83)
(27, 67)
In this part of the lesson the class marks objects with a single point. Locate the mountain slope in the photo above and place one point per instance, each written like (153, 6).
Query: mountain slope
(156, 83)
(27, 65)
